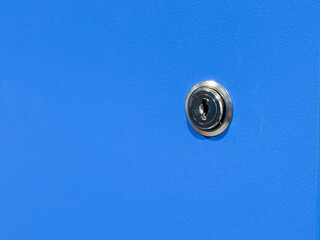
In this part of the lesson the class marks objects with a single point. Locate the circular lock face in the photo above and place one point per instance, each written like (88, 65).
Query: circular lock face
(205, 108)
(209, 108)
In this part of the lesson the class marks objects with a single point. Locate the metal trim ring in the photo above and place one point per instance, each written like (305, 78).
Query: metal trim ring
(228, 108)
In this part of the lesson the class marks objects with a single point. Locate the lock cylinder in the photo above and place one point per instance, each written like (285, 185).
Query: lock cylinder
(209, 108)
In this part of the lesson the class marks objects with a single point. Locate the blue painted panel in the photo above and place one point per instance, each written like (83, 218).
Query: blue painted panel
(94, 138)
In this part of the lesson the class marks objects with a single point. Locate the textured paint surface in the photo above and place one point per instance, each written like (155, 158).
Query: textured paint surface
(94, 141)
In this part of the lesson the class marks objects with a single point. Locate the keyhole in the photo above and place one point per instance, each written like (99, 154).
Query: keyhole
(203, 109)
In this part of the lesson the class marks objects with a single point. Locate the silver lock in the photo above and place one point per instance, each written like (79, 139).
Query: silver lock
(209, 108)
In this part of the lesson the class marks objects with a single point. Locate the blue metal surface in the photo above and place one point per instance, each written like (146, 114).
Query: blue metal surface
(94, 138)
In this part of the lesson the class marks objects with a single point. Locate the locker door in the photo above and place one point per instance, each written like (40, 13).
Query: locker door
(95, 143)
